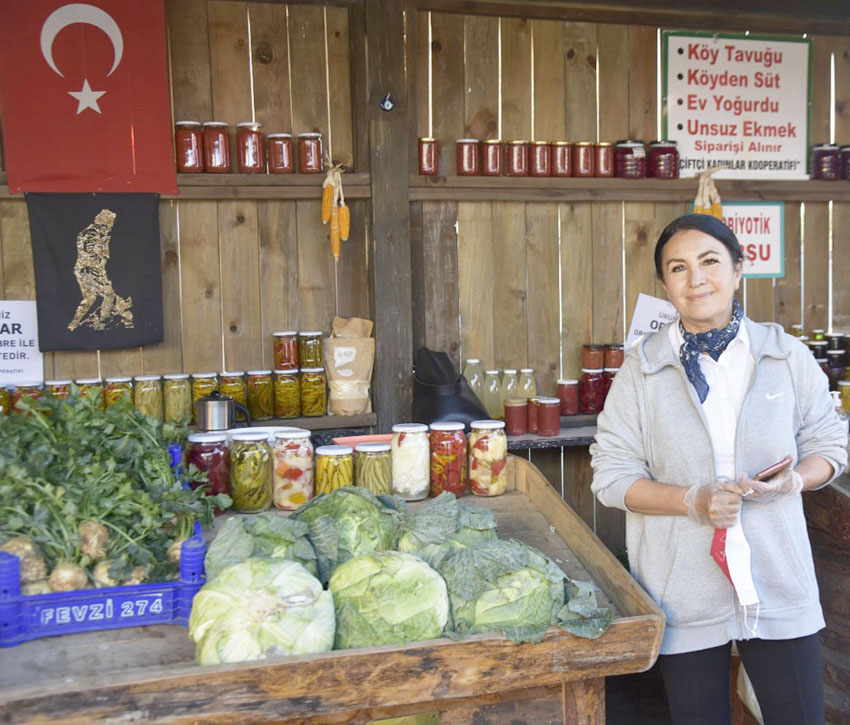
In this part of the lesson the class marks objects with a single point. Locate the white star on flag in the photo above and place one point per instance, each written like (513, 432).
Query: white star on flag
(87, 97)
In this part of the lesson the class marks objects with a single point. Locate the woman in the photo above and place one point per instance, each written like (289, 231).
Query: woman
(697, 409)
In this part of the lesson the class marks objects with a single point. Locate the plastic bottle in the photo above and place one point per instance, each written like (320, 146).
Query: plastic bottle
(491, 395)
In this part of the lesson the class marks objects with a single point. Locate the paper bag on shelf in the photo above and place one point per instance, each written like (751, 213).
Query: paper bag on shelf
(349, 358)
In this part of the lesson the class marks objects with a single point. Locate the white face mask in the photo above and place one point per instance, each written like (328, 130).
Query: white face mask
(732, 552)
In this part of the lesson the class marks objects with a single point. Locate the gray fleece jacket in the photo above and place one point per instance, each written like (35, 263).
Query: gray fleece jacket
(653, 426)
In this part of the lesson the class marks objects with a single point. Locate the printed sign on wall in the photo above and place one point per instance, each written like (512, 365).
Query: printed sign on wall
(20, 358)
(760, 228)
(738, 101)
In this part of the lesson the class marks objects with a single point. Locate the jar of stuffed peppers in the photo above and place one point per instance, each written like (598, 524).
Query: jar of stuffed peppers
(448, 459)
(234, 385)
(5, 401)
(250, 472)
(314, 392)
(117, 388)
(208, 452)
(90, 388)
(147, 396)
(292, 479)
(488, 457)
(57, 388)
(334, 468)
(310, 349)
(410, 458)
(287, 394)
(373, 464)
(260, 394)
(177, 398)
(286, 350)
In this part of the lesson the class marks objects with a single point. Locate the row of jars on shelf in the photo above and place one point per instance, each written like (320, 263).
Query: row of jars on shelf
(830, 162)
(626, 159)
(417, 462)
(206, 148)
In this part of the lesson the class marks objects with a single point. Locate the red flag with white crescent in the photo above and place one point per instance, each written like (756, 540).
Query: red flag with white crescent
(84, 96)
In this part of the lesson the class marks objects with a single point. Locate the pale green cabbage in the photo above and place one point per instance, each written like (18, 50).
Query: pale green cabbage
(445, 520)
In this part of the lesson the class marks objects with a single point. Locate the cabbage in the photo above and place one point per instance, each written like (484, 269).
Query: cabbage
(387, 598)
(446, 520)
(261, 608)
(350, 522)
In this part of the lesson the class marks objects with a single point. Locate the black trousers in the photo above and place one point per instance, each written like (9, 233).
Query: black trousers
(786, 676)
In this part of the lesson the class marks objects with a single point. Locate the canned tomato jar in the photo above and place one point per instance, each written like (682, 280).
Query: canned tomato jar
(492, 157)
(568, 395)
(516, 416)
(517, 158)
(189, 147)
(216, 147)
(251, 152)
(604, 159)
(561, 151)
(310, 153)
(428, 156)
(281, 154)
(467, 155)
(541, 159)
(584, 159)
(548, 417)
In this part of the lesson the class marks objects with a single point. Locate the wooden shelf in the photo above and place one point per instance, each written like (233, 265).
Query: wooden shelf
(324, 422)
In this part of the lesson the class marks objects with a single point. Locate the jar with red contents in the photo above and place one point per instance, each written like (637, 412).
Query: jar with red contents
(630, 160)
(281, 153)
(591, 390)
(189, 147)
(492, 157)
(516, 416)
(561, 165)
(825, 162)
(541, 159)
(448, 466)
(467, 154)
(250, 148)
(604, 159)
(26, 390)
(532, 414)
(844, 152)
(568, 395)
(608, 378)
(663, 160)
(209, 453)
(584, 159)
(517, 158)
(285, 350)
(310, 153)
(548, 417)
(593, 356)
(216, 148)
(428, 156)
(614, 354)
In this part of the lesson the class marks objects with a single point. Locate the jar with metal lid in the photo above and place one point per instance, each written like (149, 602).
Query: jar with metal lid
(189, 147)
(516, 162)
(488, 457)
(203, 384)
(614, 354)
(492, 157)
(287, 394)
(310, 153)
(561, 153)
(844, 153)
(334, 468)
(532, 414)
(836, 357)
(568, 395)
(428, 156)
(548, 417)
(584, 159)
(292, 479)
(448, 458)
(260, 394)
(233, 384)
(591, 390)
(516, 416)
(286, 350)
(310, 349)
(91, 388)
(835, 340)
(630, 160)
(5, 401)
(373, 465)
(281, 153)
(663, 160)
(58, 388)
(25, 390)
(147, 395)
(527, 383)
(209, 453)
(608, 375)
(410, 460)
(250, 148)
(216, 148)
(177, 398)
(826, 162)
(541, 159)
(491, 394)
(593, 356)
(467, 155)
(818, 335)
(604, 159)
(250, 472)
(797, 330)
(314, 392)
(116, 388)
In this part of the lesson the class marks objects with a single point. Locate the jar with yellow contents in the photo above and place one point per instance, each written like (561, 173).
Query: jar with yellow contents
(58, 388)
(147, 395)
(91, 388)
(310, 349)
(25, 390)
(118, 388)
(374, 468)
(203, 384)
(234, 385)
(334, 468)
(177, 398)
(287, 394)
(250, 472)
(5, 401)
(314, 392)
(260, 394)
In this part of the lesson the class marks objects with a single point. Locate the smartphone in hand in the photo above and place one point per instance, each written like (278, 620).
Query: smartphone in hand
(773, 469)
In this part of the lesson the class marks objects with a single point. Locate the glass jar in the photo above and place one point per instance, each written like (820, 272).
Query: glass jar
(233, 384)
(527, 384)
(818, 335)
(177, 398)
(285, 350)
(663, 160)
(209, 454)
(488, 458)
(491, 394)
(492, 157)
(604, 159)
(189, 147)
(310, 153)
(835, 341)
(826, 162)
(584, 159)
(614, 354)
(203, 384)
(561, 152)
(532, 414)
(373, 464)
(310, 349)
(250, 149)
(836, 358)
(216, 148)
(818, 348)
(314, 392)
(292, 471)
(844, 152)
(448, 458)
(287, 394)
(797, 330)
(516, 416)
(630, 160)
(281, 153)
(147, 396)
(410, 461)
(5, 401)
(91, 388)
(334, 468)
(60, 389)
(591, 390)
(25, 390)
(509, 387)
(608, 375)
(260, 394)
(250, 472)
(844, 390)
(541, 159)
(474, 376)
(516, 163)
(568, 395)
(467, 156)
(428, 156)
(117, 388)
(548, 417)
(593, 356)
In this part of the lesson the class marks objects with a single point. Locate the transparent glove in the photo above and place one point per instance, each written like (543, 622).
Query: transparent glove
(784, 483)
(716, 504)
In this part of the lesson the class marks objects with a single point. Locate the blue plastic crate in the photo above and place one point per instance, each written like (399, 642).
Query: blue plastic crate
(23, 618)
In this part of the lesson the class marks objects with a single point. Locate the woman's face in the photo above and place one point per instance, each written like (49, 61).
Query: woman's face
(700, 279)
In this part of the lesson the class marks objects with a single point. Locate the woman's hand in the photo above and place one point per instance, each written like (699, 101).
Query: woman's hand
(716, 504)
(784, 483)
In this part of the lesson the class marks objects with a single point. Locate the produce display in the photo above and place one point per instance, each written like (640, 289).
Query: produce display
(334, 468)
(293, 469)
(250, 473)
(374, 468)
(488, 456)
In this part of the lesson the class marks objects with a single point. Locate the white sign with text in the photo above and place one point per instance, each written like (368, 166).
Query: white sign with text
(650, 314)
(20, 359)
(760, 228)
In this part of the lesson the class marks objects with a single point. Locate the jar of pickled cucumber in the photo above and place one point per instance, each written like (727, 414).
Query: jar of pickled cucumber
(334, 468)
(5, 401)
(91, 387)
(310, 349)
(117, 388)
(410, 456)
(286, 350)
(250, 472)
(292, 479)
(234, 385)
(488, 457)
(57, 388)
(177, 398)
(287, 394)
(314, 392)
(260, 394)
(373, 463)
(147, 395)
(25, 390)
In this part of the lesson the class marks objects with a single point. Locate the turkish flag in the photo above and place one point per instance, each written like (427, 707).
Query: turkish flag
(84, 95)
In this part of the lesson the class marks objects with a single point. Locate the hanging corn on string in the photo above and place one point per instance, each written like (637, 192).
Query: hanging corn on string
(707, 200)
(334, 209)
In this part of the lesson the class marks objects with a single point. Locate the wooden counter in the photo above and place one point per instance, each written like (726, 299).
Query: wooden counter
(148, 673)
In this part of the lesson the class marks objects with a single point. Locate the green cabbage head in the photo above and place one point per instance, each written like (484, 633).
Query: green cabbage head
(261, 608)
(445, 520)
(387, 598)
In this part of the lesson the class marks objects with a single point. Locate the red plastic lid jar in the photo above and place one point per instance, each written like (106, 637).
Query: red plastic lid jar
(216, 147)
(189, 146)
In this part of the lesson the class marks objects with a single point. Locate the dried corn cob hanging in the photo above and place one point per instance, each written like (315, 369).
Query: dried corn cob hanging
(707, 200)
(334, 209)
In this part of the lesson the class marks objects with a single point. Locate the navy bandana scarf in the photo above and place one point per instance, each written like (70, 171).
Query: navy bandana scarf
(714, 342)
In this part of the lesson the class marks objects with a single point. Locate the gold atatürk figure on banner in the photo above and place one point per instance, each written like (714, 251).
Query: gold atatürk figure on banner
(90, 271)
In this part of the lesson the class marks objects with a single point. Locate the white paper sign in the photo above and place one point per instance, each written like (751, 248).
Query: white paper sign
(649, 315)
(738, 101)
(760, 228)
(20, 358)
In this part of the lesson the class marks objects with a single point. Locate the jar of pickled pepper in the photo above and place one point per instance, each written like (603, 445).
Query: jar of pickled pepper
(5, 401)
(373, 468)
(334, 468)
(177, 398)
(117, 388)
(314, 392)
(216, 148)
(189, 147)
(287, 394)
(203, 384)
(285, 345)
(292, 479)
(250, 472)
(233, 384)
(310, 153)
(310, 349)
(147, 396)
(488, 457)
(58, 388)
(260, 394)
(448, 458)
(209, 453)
(91, 388)
(250, 148)
(281, 153)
